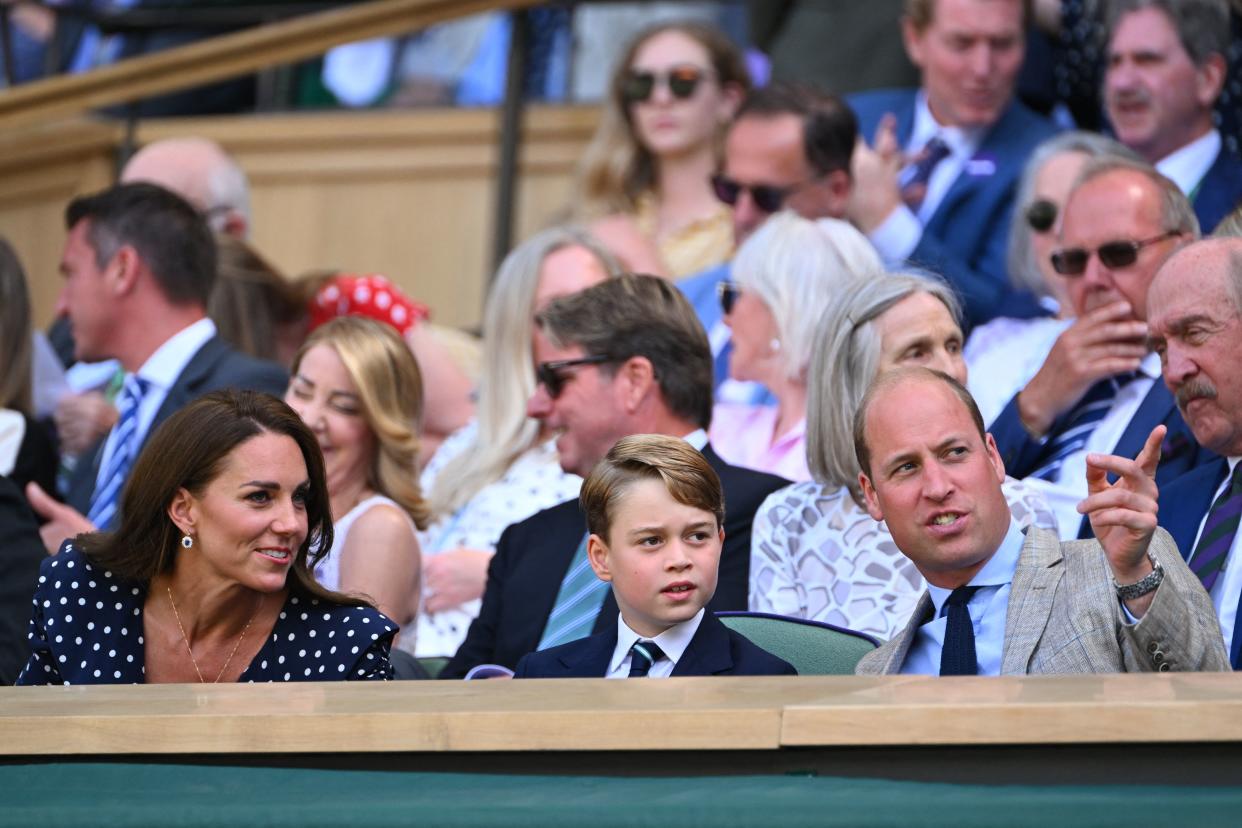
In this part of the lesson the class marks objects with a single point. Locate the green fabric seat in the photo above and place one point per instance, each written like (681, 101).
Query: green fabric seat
(812, 647)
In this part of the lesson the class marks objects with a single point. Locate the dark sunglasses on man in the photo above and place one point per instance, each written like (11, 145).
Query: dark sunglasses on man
(553, 376)
(682, 81)
(1041, 214)
(766, 197)
(727, 292)
(1072, 261)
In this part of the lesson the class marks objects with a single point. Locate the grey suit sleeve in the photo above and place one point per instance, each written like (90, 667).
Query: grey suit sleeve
(1180, 629)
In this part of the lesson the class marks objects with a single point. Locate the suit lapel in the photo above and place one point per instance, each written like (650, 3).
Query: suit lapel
(1188, 500)
(923, 612)
(591, 659)
(1030, 599)
(188, 383)
(709, 652)
(1153, 410)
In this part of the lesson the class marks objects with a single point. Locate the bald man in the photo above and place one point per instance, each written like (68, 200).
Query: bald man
(201, 172)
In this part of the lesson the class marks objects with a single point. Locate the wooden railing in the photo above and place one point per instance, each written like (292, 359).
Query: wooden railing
(227, 56)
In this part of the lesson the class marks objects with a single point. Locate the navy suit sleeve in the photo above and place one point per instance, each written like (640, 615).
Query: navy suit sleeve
(1017, 449)
(479, 646)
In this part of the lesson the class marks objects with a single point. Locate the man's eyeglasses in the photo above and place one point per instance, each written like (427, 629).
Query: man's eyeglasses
(682, 82)
(1041, 214)
(551, 374)
(766, 197)
(1115, 254)
(727, 292)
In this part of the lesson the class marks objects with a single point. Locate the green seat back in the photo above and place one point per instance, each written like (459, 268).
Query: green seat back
(813, 649)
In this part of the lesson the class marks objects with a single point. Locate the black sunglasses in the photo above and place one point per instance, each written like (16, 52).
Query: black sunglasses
(549, 374)
(682, 82)
(765, 196)
(727, 292)
(1073, 261)
(1041, 214)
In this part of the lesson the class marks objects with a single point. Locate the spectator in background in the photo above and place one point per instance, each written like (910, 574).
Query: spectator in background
(1005, 353)
(783, 278)
(21, 553)
(357, 387)
(815, 551)
(1166, 70)
(502, 466)
(650, 163)
(935, 187)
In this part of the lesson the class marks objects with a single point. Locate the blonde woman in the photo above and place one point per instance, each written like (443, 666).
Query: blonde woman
(645, 178)
(784, 276)
(357, 386)
(501, 468)
(815, 552)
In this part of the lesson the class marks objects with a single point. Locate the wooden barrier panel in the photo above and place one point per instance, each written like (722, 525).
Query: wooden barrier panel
(406, 193)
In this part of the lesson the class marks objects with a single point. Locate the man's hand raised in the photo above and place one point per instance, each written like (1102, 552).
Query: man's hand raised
(63, 521)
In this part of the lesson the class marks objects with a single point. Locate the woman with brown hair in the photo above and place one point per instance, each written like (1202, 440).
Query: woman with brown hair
(645, 178)
(209, 577)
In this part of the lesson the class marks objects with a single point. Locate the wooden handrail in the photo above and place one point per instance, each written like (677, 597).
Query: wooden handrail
(227, 56)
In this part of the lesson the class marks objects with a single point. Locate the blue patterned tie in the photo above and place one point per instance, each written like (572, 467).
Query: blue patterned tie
(957, 656)
(1078, 425)
(643, 655)
(577, 603)
(1218, 533)
(107, 498)
(914, 185)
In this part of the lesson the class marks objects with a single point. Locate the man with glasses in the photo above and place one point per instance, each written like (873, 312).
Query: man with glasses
(936, 186)
(1166, 69)
(626, 356)
(1098, 391)
(788, 148)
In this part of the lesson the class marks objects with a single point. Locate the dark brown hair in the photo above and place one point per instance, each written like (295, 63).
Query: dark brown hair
(829, 126)
(251, 299)
(188, 452)
(15, 342)
(683, 470)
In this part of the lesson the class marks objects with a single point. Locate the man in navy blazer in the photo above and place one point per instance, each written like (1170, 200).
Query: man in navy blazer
(936, 185)
(1166, 69)
(139, 264)
(1099, 389)
(1195, 312)
(627, 356)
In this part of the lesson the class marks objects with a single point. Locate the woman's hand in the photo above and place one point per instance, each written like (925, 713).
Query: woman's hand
(454, 577)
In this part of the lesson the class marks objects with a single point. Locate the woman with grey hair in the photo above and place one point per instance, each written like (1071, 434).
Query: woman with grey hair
(815, 552)
(501, 467)
(783, 277)
(1005, 353)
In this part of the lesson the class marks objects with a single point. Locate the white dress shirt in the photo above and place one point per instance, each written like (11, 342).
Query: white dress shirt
(161, 371)
(673, 642)
(1064, 494)
(1229, 583)
(900, 233)
(1188, 165)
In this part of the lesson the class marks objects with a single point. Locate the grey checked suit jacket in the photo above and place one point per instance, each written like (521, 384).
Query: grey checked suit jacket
(1064, 617)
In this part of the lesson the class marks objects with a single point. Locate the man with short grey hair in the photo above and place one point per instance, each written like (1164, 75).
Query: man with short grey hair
(1166, 68)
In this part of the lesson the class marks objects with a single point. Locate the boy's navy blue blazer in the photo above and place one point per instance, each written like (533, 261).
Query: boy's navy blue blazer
(715, 650)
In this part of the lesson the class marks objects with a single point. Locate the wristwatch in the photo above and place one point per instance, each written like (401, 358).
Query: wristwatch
(1146, 584)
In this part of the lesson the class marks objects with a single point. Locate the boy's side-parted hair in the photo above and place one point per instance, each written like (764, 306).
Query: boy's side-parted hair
(684, 471)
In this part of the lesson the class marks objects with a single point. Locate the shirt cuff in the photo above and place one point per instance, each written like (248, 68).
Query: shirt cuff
(897, 236)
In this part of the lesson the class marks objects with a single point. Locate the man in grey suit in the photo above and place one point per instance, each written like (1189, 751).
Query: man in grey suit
(998, 602)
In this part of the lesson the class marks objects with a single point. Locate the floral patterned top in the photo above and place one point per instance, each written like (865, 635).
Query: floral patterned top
(817, 554)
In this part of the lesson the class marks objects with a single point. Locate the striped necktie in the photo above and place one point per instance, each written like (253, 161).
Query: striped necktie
(643, 655)
(1219, 529)
(1078, 425)
(577, 603)
(126, 441)
(914, 187)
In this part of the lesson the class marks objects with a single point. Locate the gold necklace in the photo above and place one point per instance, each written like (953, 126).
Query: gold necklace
(186, 638)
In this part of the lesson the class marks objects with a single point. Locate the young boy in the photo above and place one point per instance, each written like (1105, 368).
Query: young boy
(654, 510)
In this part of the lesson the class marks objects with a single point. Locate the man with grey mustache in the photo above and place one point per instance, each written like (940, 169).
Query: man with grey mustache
(1195, 316)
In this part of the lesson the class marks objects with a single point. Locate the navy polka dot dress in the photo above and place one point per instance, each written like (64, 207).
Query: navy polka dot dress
(86, 628)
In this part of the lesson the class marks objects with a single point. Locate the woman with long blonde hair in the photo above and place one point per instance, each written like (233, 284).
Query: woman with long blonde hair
(358, 387)
(645, 178)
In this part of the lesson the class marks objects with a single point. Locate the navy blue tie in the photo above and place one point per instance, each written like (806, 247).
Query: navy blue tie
(642, 656)
(957, 657)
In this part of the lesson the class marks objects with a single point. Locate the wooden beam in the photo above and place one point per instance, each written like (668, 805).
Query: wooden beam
(227, 56)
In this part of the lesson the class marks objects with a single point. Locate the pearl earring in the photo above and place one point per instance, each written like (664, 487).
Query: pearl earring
(775, 345)
(186, 541)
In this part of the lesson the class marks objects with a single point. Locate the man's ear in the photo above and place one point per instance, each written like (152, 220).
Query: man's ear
(869, 497)
(637, 380)
(912, 38)
(1210, 79)
(994, 457)
(597, 556)
(123, 270)
(183, 511)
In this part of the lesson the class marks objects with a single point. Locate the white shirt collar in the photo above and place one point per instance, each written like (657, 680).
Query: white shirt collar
(164, 366)
(998, 570)
(963, 142)
(1187, 166)
(697, 438)
(673, 641)
(1150, 366)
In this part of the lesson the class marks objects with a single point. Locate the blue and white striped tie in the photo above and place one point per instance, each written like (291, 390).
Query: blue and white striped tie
(577, 603)
(1079, 424)
(107, 499)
